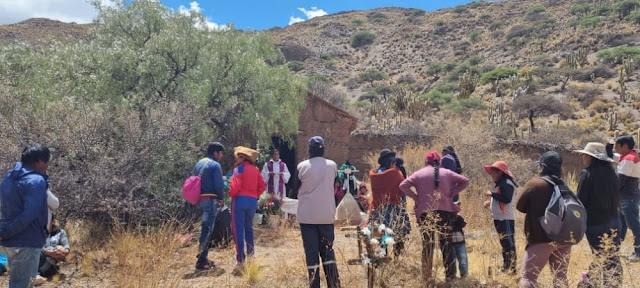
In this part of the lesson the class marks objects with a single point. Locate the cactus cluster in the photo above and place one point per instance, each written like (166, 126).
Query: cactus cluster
(519, 92)
(496, 113)
(627, 66)
(571, 60)
(467, 83)
(612, 118)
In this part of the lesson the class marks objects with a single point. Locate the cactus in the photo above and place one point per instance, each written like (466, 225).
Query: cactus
(571, 60)
(581, 57)
(612, 118)
(467, 84)
(623, 88)
(496, 113)
(628, 67)
(519, 92)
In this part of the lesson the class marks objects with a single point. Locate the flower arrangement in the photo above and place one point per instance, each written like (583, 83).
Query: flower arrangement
(377, 238)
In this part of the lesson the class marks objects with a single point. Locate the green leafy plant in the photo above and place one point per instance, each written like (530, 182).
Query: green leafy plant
(362, 38)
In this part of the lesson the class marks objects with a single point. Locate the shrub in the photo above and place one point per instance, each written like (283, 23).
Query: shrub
(585, 95)
(615, 55)
(485, 17)
(592, 21)
(372, 75)
(406, 78)
(464, 105)
(498, 73)
(634, 17)
(440, 22)
(438, 98)
(625, 8)
(535, 10)
(460, 9)
(377, 17)
(495, 26)
(295, 66)
(417, 12)
(320, 78)
(473, 36)
(580, 10)
(325, 56)
(357, 22)
(517, 41)
(461, 69)
(362, 38)
(475, 60)
(519, 31)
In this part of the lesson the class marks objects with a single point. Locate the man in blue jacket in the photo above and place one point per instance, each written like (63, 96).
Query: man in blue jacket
(23, 201)
(211, 197)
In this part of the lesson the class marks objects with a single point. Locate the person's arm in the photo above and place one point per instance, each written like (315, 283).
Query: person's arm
(261, 186)
(405, 187)
(265, 172)
(218, 183)
(585, 188)
(64, 241)
(35, 201)
(459, 183)
(285, 174)
(236, 184)
(522, 203)
(505, 194)
(52, 200)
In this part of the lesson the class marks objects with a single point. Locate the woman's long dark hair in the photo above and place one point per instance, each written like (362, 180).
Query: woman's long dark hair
(605, 183)
(458, 165)
(436, 171)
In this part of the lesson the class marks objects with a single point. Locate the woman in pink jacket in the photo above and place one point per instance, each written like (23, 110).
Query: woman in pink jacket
(434, 208)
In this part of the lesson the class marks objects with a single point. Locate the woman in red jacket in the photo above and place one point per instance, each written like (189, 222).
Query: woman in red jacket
(246, 186)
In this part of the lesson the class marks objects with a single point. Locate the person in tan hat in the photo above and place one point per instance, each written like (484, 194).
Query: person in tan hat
(500, 203)
(246, 186)
(599, 193)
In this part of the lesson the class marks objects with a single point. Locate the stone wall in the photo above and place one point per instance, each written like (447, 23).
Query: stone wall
(320, 118)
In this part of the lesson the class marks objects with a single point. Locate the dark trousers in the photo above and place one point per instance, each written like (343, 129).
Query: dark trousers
(317, 240)
(430, 223)
(506, 230)
(606, 269)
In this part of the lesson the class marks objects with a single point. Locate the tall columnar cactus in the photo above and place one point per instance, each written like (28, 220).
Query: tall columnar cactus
(581, 57)
(571, 60)
(623, 88)
(628, 67)
(496, 113)
(467, 84)
(612, 118)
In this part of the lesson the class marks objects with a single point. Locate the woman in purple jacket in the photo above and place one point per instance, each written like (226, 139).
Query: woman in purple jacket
(434, 208)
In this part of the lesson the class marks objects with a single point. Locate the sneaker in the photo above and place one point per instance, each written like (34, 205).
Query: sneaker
(205, 266)
(633, 258)
(40, 280)
(237, 271)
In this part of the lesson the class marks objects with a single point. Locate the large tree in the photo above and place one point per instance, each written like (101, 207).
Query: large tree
(536, 105)
(128, 110)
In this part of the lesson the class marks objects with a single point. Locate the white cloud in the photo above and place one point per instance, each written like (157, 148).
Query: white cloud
(195, 7)
(294, 20)
(312, 13)
(78, 11)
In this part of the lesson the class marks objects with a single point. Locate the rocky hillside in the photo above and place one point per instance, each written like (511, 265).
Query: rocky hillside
(38, 30)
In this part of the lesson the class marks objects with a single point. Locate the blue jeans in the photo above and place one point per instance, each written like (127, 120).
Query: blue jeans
(460, 252)
(243, 209)
(209, 209)
(24, 265)
(612, 267)
(630, 219)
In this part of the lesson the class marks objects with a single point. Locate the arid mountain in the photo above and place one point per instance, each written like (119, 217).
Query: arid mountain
(37, 30)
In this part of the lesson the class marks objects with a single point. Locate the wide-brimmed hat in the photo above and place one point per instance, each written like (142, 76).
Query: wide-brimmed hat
(595, 150)
(250, 154)
(384, 153)
(500, 165)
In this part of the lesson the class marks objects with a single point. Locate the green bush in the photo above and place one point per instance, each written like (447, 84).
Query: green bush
(496, 74)
(464, 105)
(535, 10)
(447, 87)
(625, 8)
(592, 21)
(440, 22)
(485, 17)
(463, 67)
(634, 17)
(580, 10)
(438, 98)
(495, 26)
(357, 22)
(615, 55)
(516, 42)
(362, 38)
(460, 9)
(320, 78)
(475, 60)
(295, 66)
(325, 56)
(377, 17)
(418, 12)
(473, 36)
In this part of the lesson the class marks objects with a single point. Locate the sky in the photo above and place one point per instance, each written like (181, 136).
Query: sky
(246, 15)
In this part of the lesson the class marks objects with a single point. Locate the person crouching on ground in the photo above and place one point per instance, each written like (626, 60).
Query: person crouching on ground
(533, 202)
(501, 206)
(55, 249)
(246, 186)
(316, 212)
(434, 208)
(386, 196)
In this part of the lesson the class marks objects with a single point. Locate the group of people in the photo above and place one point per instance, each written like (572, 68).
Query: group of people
(32, 241)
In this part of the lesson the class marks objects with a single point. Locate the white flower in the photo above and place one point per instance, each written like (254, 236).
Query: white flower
(389, 231)
(381, 227)
(365, 231)
(374, 241)
(389, 241)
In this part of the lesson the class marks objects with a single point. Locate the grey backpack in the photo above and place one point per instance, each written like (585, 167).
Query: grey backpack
(565, 218)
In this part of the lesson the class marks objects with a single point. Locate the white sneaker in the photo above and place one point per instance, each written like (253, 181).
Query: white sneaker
(40, 280)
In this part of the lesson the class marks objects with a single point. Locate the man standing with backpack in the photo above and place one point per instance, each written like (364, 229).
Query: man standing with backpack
(23, 198)
(540, 249)
(628, 173)
(211, 197)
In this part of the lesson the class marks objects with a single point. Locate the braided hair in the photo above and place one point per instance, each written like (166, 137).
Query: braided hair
(458, 166)
(436, 171)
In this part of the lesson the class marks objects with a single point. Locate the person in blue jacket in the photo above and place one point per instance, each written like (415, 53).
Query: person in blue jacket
(23, 221)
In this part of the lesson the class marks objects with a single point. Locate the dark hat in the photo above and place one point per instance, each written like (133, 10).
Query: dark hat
(551, 160)
(384, 154)
(316, 142)
(448, 148)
